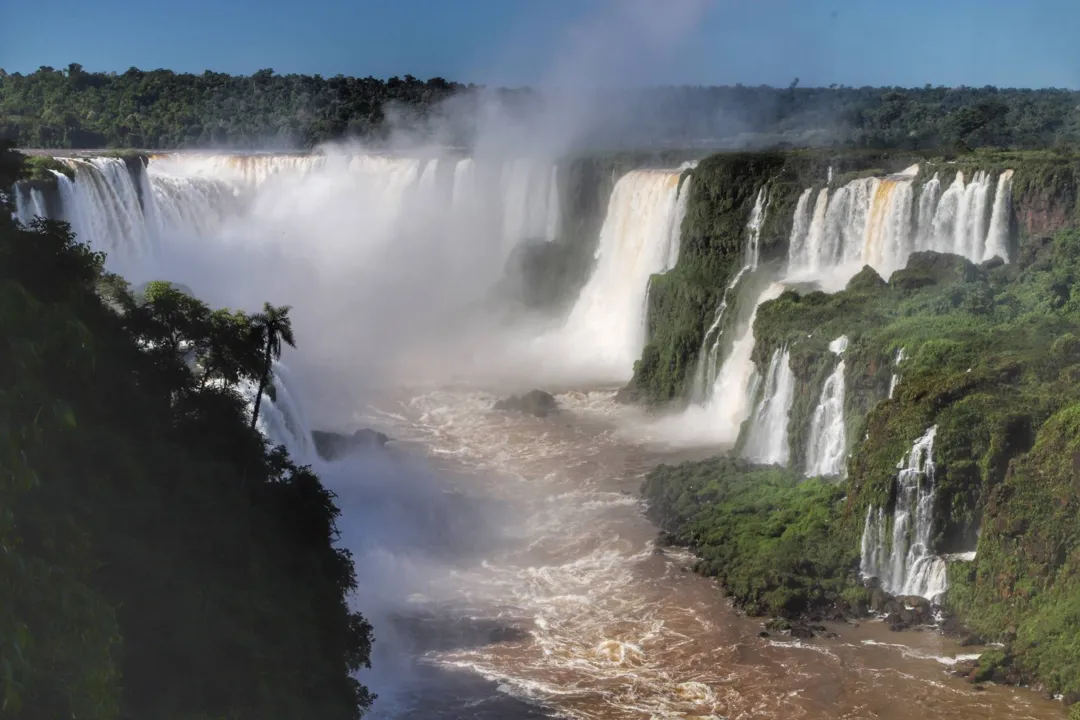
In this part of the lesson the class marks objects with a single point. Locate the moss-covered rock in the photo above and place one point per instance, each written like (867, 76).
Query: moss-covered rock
(1024, 587)
(991, 357)
(764, 534)
(41, 168)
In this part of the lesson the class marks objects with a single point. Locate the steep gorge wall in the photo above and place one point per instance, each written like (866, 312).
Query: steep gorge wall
(984, 354)
(1044, 199)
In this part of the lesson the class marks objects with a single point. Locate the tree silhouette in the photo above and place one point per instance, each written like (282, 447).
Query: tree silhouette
(270, 328)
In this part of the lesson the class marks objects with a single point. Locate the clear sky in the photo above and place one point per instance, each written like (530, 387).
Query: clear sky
(1024, 43)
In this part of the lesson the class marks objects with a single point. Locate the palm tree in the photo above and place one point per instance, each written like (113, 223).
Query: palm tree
(270, 327)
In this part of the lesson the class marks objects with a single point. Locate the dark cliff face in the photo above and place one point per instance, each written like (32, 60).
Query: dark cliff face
(1045, 196)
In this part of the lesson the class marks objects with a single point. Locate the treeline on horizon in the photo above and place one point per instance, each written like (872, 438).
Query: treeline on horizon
(161, 109)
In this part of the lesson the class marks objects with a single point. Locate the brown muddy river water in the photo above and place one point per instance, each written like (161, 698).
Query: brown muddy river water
(572, 612)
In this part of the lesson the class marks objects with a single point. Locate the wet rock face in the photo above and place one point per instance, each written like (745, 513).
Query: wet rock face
(332, 445)
(534, 402)
(902, 611)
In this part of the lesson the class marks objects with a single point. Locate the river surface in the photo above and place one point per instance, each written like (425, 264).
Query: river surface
(566, 608)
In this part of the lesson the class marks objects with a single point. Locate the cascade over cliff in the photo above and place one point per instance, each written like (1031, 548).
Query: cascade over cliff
(919, 349)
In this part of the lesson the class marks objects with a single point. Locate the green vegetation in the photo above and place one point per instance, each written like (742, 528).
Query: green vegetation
(723, 191)
(159, 559)
(41, 168)
(160, 109)
(722, 194)
(770, 539)
(993, 361)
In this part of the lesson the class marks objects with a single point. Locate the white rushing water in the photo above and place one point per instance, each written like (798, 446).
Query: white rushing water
(29, 204)
(193, 193)
(997, 239)
(682, 203)
(709, 355)
(895, 379)
(903, 559)
(826, 447)
(767, 438)
(606, 328)
(835, 232)
(878, 222)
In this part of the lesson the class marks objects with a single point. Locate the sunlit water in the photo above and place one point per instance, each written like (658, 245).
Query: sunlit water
(503, 559)
(573, 612)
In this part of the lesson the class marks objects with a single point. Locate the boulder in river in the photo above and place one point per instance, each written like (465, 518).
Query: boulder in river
(915, 610)
(332, 445)
(534, 402)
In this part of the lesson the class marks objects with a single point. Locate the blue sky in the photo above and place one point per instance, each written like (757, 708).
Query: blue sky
(852, 42)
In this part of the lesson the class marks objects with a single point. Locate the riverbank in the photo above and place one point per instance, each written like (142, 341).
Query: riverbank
(777, 546)
(614, 626)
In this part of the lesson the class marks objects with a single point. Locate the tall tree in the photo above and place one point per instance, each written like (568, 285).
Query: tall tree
(271, 327)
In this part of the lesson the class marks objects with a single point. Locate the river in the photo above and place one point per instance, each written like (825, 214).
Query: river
(567, 609)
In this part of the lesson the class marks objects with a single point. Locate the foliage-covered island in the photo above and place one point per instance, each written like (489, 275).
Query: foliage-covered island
(157, 558)
(991, 359)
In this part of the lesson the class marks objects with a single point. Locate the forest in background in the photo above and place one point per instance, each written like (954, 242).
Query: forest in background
(161, 109)
(158, 559)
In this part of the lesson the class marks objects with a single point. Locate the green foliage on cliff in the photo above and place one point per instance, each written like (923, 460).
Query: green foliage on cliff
(1025, 585)
(159, 560)
(770, 539)
(722, 193)
(41, 168)
(992, 359)
(993, 362)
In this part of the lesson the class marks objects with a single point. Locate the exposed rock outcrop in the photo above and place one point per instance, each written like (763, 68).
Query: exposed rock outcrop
(534, 402)
(332, 445)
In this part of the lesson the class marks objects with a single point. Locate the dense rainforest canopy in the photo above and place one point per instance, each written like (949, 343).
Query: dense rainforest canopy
(161, 109)
(159, 559)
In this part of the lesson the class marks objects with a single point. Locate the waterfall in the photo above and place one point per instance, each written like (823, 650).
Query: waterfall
(102, 205)
(181, 195)
(753, 230)
(878, 222)
(800, 224)
(608, 319)
(730, 394)
(929, 197)
(895, 379)
(240, 170)
(554, 207)
(29, 203)
(426, 186)
(708, 355)
(529, 204)
(681, 205)
(827, 443)
(283, 420)
(463, 183)
(865, 222)
(997, 240)
(903, 561)
(767, 441)
(803, 255)
(961, 222)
